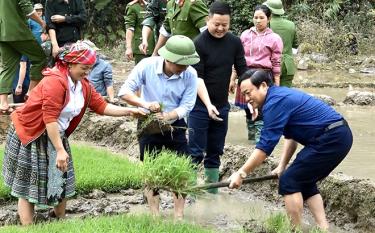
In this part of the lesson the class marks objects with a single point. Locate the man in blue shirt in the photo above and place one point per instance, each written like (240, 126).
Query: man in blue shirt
(101, 75)
(303, 119)
(168, 87)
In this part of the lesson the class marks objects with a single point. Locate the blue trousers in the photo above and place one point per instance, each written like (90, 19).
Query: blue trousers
(315, 161)
(174, 141)
(207, 135)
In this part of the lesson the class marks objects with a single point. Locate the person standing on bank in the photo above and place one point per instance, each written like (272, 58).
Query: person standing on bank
(16, 40)
(184, 17)
(287, 30)
(135, 13)
(154, 18)
(219, 50)
(302, 119)
(263, 50)
(38, 165)
(65, 20)
(171, 81)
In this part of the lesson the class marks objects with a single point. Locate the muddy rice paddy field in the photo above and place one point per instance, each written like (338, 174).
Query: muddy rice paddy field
(349, 193)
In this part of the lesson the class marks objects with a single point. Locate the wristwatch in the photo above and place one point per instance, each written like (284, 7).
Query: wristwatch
(242, 174)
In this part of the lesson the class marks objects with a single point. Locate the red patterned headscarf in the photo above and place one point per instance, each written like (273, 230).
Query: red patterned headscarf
(78, 52)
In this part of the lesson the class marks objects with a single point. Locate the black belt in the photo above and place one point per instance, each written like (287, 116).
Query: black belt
(335, 125)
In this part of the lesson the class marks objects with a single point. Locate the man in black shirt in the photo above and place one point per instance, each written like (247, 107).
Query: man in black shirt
(219, 51)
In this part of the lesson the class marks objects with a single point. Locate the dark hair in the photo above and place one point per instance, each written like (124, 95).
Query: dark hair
(256, 77)
(219, 7)
(265, 9)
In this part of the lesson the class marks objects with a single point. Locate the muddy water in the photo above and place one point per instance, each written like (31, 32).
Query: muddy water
(358, 162)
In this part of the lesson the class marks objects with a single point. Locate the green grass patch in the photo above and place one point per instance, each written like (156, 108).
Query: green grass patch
(119, 223)
(280, 223)
(95, 169)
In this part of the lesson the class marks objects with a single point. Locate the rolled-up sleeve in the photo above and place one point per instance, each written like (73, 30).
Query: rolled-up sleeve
(189, 97)
(134, 81)
(107, 75)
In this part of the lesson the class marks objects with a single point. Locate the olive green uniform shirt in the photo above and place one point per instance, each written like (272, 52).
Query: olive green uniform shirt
(13, 21)
(286, 29)
(134, 17)
(186, 19)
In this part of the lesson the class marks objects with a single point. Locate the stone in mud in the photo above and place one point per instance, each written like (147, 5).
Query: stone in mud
(360, 98)
(325, 98)
(303, 64)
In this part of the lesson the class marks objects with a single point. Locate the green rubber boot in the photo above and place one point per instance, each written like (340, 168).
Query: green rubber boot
(250, 129)
(211, 176)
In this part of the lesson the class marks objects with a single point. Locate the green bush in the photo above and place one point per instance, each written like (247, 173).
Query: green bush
(95, 169)
(114, 224)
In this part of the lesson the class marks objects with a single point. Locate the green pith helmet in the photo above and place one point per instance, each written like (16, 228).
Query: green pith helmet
(276, 6)
(179, 50)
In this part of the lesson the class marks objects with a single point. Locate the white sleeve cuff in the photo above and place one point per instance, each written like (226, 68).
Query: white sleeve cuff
(181, 112)
(203, 28)
(164, 32)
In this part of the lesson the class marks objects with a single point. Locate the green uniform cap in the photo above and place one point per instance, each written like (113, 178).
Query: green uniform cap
(276, 6)
(179, 50)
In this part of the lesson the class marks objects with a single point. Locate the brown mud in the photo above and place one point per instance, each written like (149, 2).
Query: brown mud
(350, 202)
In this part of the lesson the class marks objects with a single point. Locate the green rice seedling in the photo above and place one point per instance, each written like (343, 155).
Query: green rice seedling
(169, 171)
(279, 223)
(110, 224)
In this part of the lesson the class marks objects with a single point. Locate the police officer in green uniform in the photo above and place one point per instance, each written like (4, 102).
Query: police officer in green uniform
(184, 17)
(16, 40)
(135, 13)
(154, 18)
(287, 30)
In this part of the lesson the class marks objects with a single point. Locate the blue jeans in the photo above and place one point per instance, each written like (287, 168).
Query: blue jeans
(207, 135)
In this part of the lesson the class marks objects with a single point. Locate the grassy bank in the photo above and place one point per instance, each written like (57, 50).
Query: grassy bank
(120, 223)
(95, 169)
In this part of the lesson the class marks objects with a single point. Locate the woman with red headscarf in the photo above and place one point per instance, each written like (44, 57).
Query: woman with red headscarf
(38, 165)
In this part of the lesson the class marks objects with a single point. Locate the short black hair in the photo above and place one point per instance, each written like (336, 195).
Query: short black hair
(265, 9)
(219, 7)
(256, 77)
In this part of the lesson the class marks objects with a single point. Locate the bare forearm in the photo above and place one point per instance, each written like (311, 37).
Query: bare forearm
(110, 93)
(113, 110)
(256, 158)
(22, 74)
(52, 36)
(146, 32)
(134, 100)
(289, 148)
(37, 19)
(54, 135)
(129, 38)
(161, 42)
(203, 93)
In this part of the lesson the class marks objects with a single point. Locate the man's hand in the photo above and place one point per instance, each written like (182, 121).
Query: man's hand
(136, 112)
(278, 170)
(153, 106)
(163, 116)
(58, 18)
(55, 50)
(235, 180)
(143, 47)
(232, 86)
(129, 54)
(254, 112)
(18, 90)
(213, 113)
(62, 160)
